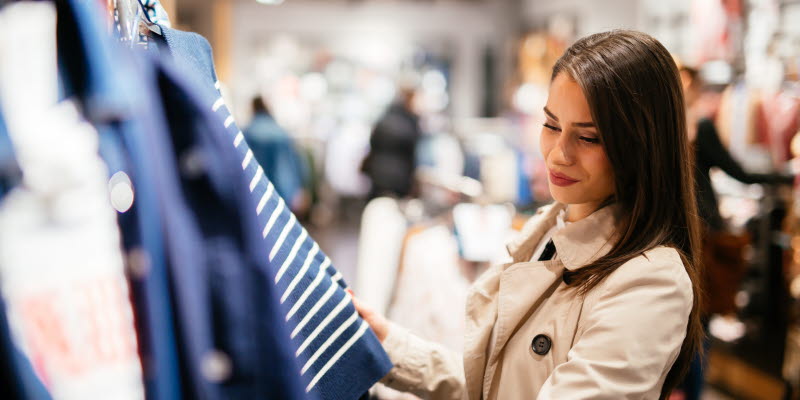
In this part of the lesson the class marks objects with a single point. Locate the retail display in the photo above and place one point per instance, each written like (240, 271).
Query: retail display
(67, 306)
(152, 246)
(231, 298)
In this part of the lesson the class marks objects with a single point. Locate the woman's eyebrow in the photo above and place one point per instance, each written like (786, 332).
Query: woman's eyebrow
(578, 124)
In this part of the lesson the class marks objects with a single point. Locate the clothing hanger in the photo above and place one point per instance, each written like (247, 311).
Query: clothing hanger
(151, 26)
(131, 14)
(127, 18)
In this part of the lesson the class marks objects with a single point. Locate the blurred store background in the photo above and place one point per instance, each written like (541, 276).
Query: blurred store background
(414, 127)
(404, 134)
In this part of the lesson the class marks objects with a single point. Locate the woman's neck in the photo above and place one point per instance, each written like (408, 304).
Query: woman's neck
(577, 212)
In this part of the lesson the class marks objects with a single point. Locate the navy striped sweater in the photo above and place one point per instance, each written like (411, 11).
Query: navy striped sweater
(339, 355)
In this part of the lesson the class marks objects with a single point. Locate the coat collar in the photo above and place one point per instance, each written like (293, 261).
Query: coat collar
(502, 297)
(578, 244)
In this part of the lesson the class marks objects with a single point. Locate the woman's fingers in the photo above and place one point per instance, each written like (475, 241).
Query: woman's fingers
(376, 321)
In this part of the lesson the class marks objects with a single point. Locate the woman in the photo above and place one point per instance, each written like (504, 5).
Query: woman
(601, 298)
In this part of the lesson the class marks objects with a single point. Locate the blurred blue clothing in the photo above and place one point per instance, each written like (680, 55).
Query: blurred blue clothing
(208, 321)
(10, 173)
(274, 150)
(117, 100)
(17, 377)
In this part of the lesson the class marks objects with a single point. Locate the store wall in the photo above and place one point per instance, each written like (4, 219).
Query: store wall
(463, 29)
(667, 21)
(589, 16)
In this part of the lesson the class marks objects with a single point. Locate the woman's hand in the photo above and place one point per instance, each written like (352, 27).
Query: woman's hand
(376, 321)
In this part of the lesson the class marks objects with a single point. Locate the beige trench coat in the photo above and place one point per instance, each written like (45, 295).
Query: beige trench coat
(617, 342)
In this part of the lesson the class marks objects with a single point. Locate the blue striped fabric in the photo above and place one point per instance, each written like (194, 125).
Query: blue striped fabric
(340, 356)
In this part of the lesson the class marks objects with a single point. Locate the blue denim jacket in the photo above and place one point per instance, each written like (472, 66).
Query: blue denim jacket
(109, 86)
(208, 325)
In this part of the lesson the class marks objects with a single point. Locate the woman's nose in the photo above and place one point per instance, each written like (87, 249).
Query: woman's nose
(563, 152)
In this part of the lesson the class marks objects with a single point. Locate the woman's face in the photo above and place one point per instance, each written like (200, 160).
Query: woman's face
(578, 169)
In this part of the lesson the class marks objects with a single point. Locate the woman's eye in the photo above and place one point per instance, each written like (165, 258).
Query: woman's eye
(588, 139)
(551, 127)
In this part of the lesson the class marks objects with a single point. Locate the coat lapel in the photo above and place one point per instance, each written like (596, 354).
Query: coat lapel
(523, 287)
(481, 314)
(505, 295)
(484, 299)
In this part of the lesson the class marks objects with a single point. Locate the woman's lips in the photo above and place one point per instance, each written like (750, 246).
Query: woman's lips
(561, 179)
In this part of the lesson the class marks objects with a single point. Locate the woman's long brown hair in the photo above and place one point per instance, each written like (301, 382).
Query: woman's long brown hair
(634, 92)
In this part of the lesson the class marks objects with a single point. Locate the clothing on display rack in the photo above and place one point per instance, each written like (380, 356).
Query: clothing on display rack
(107, 83)
(482, 230)
(177, 183)
(737, 118)
(779, 120)
(340, 356)
(17, 377)
(10, 174)
(431, 289)
(380, 243)
(238, 342)
(16, 372)
(63, 280)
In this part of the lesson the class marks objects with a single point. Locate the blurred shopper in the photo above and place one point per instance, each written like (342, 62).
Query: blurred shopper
(720, 282)
(710, 152)
(601, 297)
(390, 164)
(275, 151)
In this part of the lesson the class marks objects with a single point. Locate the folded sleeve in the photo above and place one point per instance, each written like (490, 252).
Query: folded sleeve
(424, 368)
(631, 335)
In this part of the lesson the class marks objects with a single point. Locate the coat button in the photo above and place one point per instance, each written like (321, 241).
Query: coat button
(541, 344)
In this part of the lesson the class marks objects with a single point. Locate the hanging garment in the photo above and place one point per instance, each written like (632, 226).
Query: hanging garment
(16, 372)
(61, 268)
(482, 231)
(182, 276)
(340, 356)
(105, 81)
(17, 377)
(62, 272)
(430, 297)
(380, 242)
(10, 175)
(778, 116)
(234, 342)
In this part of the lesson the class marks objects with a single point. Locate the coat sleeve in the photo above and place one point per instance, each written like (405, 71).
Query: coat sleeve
(632, 334)
(424, 368)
